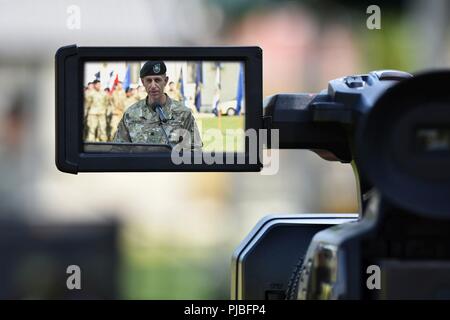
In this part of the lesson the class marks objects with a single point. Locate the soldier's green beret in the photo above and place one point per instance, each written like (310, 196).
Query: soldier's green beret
(153, 68)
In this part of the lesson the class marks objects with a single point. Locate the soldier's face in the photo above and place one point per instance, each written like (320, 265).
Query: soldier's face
(154, 85)
(97, 86)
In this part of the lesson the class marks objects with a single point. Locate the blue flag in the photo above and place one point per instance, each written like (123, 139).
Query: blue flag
(240, 89)
(126, 80)
(181, 83)
(198, 84)
(216, 98)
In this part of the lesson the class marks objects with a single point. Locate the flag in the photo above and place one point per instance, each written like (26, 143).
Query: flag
(112, 81)
(126, 80)
(240, 89)
(97, 76)
(216, 98)
(198, 86)
(181, 83)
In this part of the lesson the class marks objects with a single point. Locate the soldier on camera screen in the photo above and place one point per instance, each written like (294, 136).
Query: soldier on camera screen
(157, 119)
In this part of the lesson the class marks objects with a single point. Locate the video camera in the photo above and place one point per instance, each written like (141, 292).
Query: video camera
(395, 131)
(392, 127)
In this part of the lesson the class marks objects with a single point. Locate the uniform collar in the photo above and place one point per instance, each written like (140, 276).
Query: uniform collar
(147, 111)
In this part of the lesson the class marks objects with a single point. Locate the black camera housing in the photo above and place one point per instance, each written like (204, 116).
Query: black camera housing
(69, 63)
(395, 131)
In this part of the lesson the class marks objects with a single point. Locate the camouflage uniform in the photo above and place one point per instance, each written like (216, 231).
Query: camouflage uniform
(175, 95)
(96, 107)
(129, 101)
(87, 98)
(141, 94)
(118, 107)
(140, 124)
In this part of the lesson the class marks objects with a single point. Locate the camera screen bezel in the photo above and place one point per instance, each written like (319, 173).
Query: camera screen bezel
(69, 76)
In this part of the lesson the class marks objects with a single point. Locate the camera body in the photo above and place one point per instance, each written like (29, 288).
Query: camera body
(392, 127)
(395, 131)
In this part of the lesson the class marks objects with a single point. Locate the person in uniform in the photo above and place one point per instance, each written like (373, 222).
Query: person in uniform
(141, 93)
(173, 92)
(131, 98)
(96, 107)
(143, 123)
(87, 92)
(118, 98)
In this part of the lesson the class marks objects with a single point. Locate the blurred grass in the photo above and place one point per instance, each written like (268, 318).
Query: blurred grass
(388, 50)
(222, 123)
(152, 269)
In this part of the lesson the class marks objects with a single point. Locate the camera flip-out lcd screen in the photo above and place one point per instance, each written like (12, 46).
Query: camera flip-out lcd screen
(145, 106)
(158, 109)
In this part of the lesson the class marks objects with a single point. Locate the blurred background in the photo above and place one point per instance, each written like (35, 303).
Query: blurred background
(160, 235)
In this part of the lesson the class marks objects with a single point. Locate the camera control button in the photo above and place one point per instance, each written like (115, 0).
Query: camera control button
(393, 75)
(354, 82)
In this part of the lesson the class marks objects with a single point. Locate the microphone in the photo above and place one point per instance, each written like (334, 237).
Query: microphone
(162, 117)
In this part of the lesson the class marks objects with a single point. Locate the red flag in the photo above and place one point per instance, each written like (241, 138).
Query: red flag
(116, 81)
